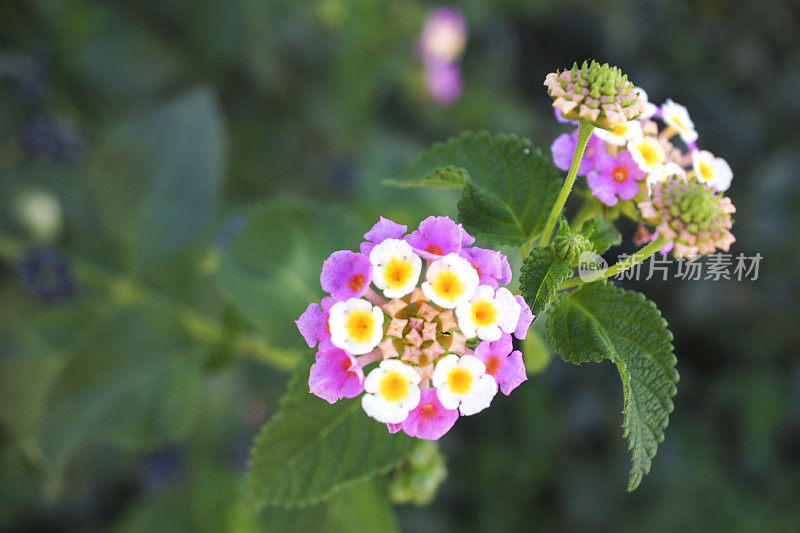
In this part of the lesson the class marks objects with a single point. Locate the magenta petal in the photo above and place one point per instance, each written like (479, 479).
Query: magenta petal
(346, 275)
(511, 373)
(436, 237)
(466, 238)
(499, 348)
(627, 189)
(595, 148)
(626, 160)
(525, 318)
(313, 324)
(394, 428)
(603, 187)
(335, 375)
(429, 420)
(382, 230)
(605, 164)
(444, 83)
(560, 118)
(504, 365)
(492, 266)
(562, 149)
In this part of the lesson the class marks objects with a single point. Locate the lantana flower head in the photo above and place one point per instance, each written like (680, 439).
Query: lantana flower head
(695, 217)
(597, 93)
(620, 155)
(410, 350)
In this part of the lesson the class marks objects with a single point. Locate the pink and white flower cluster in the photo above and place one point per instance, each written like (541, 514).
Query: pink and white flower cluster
(431, 342)
(440, 46)
(617, 161)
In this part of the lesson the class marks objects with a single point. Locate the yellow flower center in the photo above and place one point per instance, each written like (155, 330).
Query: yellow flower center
(705, 170)
(620, 130)
(397, 273)
(359, 325)
(484, 313)
(447, 285)
(393, 387)
(651, 152)
(459, 380)
(678, 124)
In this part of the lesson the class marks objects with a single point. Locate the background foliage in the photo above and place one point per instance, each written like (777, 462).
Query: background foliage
(186, 128)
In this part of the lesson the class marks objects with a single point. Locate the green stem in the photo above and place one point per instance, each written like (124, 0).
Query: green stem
(126, 291)
(584, 132)
(622, 266)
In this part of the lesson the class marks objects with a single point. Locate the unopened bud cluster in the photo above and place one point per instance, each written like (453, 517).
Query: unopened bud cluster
(596, 93)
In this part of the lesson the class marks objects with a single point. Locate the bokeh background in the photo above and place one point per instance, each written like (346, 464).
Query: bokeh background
(131, 387)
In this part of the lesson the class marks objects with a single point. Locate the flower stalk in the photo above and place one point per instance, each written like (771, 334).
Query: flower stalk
(623, 265)
(585, 129)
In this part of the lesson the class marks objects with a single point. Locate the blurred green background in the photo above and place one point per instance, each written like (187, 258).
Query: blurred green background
(129, 399)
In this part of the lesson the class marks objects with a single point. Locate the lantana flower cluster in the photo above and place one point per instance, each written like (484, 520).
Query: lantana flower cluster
(431, 341)
(440, 46)
(626, 159)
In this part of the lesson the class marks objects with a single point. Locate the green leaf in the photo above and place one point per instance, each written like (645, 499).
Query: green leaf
(157, 177)
(311, 449)
(131, 382)
(361, 508)
(600, 321)
(601, 233)
(271, 271)
(445, 177)
(540, 277)
(509, 190)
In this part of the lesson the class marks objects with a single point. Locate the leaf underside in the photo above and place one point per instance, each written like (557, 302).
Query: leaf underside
(600, 321)
(311, 449)
(509, 187)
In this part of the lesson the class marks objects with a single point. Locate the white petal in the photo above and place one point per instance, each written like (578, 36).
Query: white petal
(723, 175)
(443, 368)
(489, 333)
(373, 379)
(465, 322)
(473, 365)
(383, 411)
(508, 310)
(479, 397)
(393, 365)
(447, 398)
(412, 400)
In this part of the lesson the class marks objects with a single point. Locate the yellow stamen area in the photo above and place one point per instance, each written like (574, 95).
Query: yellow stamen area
(459, 380)
(447, 285)
(484, 313)
(651, 152)
(397, 273)
(393, 387)
(359, 326)
(705, 170)
(620, 130)
(678, 124)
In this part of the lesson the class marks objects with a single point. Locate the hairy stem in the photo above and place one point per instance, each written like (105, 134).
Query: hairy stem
(584, 132)
(622, 266)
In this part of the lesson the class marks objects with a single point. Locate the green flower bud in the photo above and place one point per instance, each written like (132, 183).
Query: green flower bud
(419, 479)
